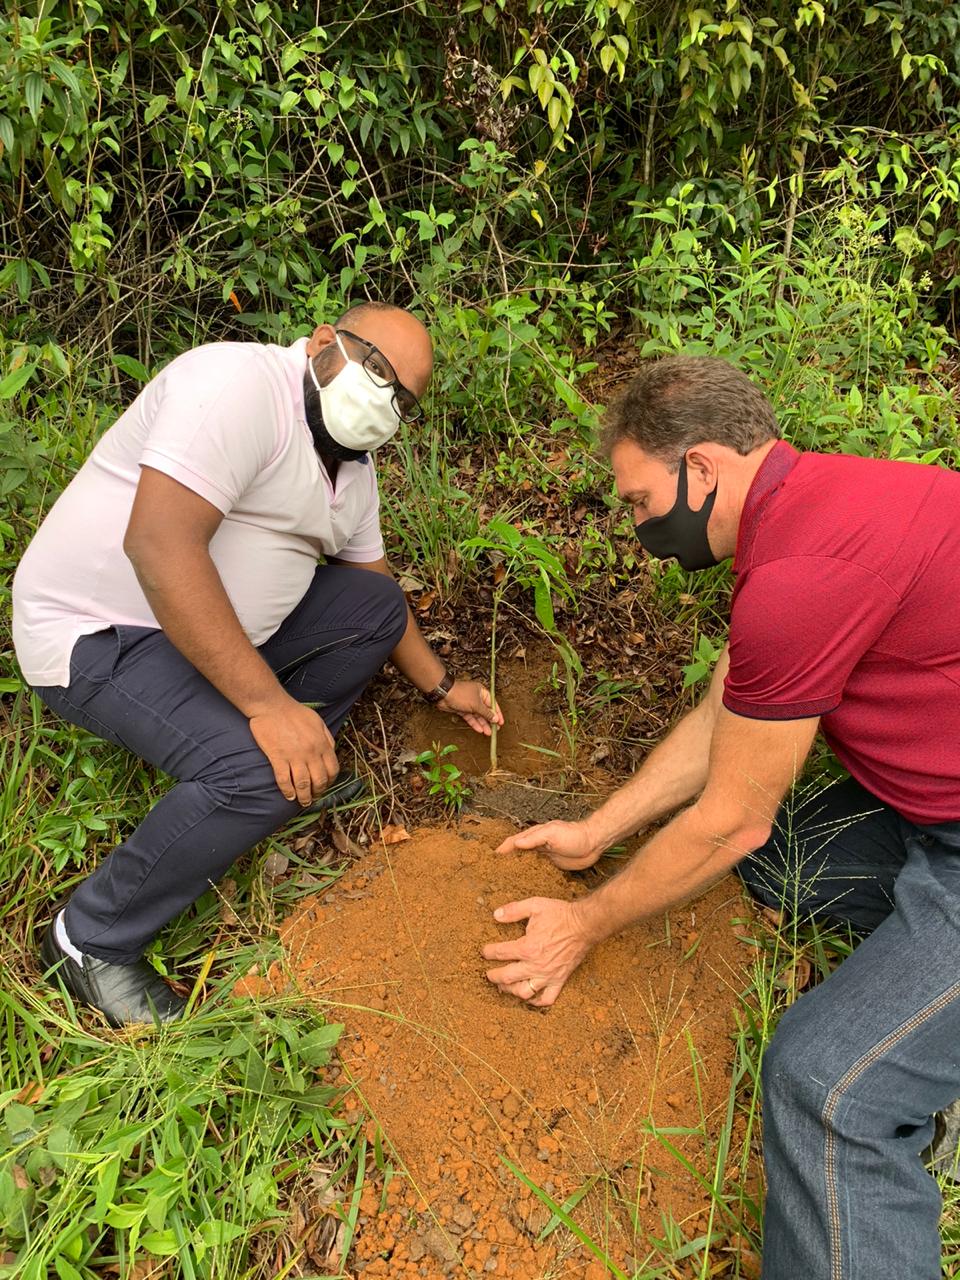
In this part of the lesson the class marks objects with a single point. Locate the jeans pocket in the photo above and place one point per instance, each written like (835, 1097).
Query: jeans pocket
(127, 639)
(94, 658)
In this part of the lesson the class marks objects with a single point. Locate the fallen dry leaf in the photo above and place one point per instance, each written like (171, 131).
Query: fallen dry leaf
(275, 865)
(344, 844)
(394, 834)
(795, 976)
(149, 1269)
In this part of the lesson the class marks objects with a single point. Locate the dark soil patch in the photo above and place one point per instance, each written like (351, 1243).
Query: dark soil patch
(632, 1060)
(531, 740)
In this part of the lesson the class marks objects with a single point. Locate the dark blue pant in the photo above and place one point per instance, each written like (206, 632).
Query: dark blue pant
(858, 1066)
(131, 686)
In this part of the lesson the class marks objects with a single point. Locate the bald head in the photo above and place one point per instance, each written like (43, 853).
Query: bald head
(398, 333)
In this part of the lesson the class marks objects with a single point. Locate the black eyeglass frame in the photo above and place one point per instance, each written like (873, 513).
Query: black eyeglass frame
(410, 415)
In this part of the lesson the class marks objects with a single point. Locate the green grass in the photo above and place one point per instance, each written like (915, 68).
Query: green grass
(114, 1146)
(182, 1143)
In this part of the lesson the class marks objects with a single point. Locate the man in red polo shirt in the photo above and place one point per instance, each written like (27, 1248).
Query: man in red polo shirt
(844, 620)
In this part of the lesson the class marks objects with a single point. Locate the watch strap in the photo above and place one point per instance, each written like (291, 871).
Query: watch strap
(443, 688)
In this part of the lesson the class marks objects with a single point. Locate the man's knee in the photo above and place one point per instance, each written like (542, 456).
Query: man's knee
(244, 782)
(795, 1066)
(390, 606)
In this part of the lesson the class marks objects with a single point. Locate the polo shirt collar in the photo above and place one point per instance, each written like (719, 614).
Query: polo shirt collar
(774, 469)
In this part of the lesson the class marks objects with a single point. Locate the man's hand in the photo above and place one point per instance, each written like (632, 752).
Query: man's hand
(473, 703)
(299, 747)
(568, 845)
(542, 960)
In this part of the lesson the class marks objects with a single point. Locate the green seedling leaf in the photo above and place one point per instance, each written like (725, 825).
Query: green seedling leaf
(15, 381)
(107, 1176)
(314, 1049)
(164, 1244)
(19, 1122)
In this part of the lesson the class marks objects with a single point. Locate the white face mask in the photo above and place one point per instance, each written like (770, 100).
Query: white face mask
(356, 412)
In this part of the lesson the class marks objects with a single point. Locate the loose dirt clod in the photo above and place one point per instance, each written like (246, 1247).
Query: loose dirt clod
(465, 1082)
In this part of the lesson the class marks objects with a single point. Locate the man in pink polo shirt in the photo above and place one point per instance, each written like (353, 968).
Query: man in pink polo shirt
(844, 621)
(172, 602)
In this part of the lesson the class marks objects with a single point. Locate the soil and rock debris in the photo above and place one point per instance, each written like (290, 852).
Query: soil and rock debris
(607, 1103)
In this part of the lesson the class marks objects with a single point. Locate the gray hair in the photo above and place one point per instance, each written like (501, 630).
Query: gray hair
(673, 403)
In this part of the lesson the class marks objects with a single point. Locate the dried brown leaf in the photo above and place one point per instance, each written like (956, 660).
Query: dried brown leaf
(344, 844)
(275, 865)
(393, 833)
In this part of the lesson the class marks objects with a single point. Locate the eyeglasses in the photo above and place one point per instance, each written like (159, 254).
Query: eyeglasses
(382, 374)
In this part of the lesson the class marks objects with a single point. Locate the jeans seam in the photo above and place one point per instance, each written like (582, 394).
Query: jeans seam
(168, 725)
(833, 1100)
(82, 713)
(313, 629)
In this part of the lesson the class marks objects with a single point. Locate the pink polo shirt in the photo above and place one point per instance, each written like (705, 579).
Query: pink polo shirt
(227, 421)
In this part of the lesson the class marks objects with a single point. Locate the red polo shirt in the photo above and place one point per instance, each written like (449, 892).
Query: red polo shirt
(847, 607)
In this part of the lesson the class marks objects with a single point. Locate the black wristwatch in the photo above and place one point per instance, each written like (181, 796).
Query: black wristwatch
(443, 688)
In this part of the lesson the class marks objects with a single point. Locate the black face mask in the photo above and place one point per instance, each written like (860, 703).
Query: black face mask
(323, 441)
(681, 532)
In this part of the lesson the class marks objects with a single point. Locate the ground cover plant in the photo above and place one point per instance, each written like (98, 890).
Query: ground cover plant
(560, 189)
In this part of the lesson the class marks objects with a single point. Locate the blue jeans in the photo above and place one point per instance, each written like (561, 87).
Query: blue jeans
(131, 686)
(859, 1065)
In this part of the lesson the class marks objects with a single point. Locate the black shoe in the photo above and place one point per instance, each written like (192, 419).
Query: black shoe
(122, 992)
(943, 1154)
(344, 788)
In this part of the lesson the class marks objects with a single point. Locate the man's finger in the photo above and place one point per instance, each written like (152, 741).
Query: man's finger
(281, 773)
(514, 911)
(513, 950)
(531, 839)
(320, 779)
(509, 975)
(490, 712)
(328, 758)
(568, 861)
(303, 784)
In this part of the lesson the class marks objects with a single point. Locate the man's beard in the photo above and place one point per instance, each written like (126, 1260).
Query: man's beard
(323, 441)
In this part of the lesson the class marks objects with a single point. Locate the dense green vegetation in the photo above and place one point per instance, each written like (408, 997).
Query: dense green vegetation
(554, 184)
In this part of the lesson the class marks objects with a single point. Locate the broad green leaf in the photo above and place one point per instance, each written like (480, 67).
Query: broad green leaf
(107, 1175)
(33, 94)
(131, 367)
(164, 1244)
(16, 381)
(155, 108)
(19, 1121)
(314, 1048)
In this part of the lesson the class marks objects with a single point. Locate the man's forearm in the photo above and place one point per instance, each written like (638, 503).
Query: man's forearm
(190, 604)
(414, 658)
(678, 863)
(673, 774)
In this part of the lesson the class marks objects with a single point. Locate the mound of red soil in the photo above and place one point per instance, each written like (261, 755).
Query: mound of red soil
(607, 1094)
